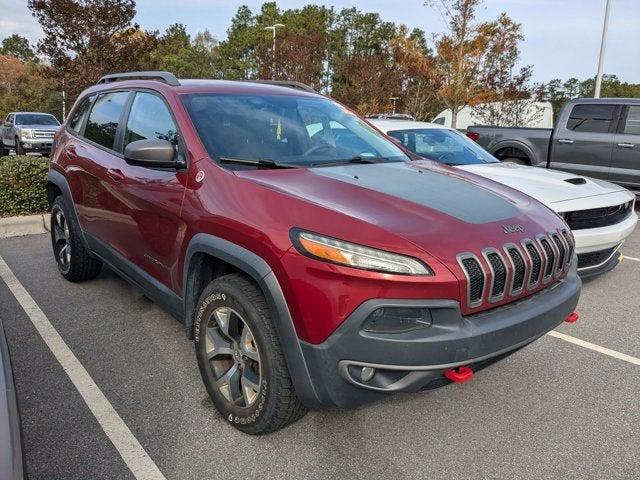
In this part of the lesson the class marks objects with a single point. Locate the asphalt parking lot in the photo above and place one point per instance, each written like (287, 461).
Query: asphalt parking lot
(553, 410)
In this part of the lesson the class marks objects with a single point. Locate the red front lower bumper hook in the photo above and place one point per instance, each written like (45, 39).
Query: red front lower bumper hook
(572, 318)
(459, 375)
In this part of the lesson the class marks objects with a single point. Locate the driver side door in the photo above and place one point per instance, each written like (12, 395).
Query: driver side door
(153, 197)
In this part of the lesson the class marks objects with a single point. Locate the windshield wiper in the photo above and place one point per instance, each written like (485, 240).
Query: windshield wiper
(261, 163)
(345, 161)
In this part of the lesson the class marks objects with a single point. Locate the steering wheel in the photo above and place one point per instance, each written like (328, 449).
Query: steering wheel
(447, 157)
(317, 148)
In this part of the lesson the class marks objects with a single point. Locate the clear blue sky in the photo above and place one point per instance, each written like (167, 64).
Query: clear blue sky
(562, 37)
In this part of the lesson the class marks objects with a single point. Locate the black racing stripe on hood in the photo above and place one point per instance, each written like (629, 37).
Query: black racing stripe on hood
(445, 193)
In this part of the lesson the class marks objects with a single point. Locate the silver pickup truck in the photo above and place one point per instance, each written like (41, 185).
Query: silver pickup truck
(594, 137)
(28, 132)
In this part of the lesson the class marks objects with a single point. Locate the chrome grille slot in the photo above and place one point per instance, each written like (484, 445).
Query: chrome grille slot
(499, 270)
(551, 257)
(475, 279)
(561, 252)
(536, 263)
(519, 269)
(569, 242)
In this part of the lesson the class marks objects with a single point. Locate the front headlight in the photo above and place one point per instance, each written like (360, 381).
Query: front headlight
(26, 134)
(358, 256)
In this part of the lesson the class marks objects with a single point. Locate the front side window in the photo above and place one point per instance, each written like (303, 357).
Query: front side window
(443, 145)
(80, 114)
(595, 117)
(632, 125)
(439, 120)
(295, 130)
(150, 118)
(103, 120)
(36, 119)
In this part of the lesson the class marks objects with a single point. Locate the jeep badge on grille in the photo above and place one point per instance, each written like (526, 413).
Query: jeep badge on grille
(512, 228)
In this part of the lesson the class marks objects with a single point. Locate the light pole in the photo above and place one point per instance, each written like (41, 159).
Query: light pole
(273, 29)
(393, 101)
(603, 45)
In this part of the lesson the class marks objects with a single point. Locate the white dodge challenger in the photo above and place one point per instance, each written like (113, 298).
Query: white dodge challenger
(600, 214)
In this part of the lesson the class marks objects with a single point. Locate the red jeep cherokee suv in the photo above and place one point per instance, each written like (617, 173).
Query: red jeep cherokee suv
(313, 262)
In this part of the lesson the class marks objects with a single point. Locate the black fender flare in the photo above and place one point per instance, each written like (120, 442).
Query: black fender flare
(258, 269)
(56, 178)
(515, 144)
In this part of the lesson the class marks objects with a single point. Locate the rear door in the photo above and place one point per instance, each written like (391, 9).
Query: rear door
(583, 141)
(93, 165)
(625, 162)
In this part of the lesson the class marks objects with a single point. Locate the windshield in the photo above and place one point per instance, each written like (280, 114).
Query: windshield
(36, 119)
(291, 130)
(443, 145)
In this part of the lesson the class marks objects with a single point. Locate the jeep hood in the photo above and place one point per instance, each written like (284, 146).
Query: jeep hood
(439, 209)
(555, 189)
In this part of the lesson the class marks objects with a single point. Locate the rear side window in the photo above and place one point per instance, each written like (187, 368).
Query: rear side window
(80, 114)
(103, 120)
(596, 118)
(149, 119)
(632, 125)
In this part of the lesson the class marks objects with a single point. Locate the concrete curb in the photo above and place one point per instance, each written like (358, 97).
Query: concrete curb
(25, 225)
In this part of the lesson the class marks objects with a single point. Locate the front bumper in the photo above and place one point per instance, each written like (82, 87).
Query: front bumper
(36, 146)
(597, 239)
(415, 361)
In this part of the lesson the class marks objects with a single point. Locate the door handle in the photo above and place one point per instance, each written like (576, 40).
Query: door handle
(565, 140)
(71, 152)
(115, 174)
(626, 145)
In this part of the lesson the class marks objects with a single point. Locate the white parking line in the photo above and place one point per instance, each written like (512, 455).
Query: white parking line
(596, 348)
(133, 454)
(631, 258)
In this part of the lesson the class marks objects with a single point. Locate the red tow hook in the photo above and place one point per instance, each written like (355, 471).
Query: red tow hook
(572, 318)
(459, 375)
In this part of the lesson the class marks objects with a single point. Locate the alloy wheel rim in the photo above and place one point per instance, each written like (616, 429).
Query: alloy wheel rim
(233, 356)
(61, 239)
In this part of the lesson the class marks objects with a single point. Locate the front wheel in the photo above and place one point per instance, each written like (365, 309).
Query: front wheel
(240, 358)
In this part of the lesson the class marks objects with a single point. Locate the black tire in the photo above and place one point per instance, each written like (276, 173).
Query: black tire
(19, 148)
(518, 161)
(4, 151)
(275, 404)
(74, 262)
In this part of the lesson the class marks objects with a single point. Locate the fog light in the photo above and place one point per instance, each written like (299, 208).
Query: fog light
(26, 145)
(397, 320)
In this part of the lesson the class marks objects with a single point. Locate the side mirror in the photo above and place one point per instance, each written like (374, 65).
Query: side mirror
(8, 124)
(152, 153)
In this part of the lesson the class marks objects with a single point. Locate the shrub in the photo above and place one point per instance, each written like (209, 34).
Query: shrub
(23, 185)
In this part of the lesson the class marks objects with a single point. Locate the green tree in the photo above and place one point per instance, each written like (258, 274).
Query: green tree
(18, 47)
(85, 39)
(177, 53)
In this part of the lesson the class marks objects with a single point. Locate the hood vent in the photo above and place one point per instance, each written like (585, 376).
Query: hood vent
(576, 181)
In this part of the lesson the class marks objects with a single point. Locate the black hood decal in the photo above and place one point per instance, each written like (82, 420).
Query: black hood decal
(448, 194)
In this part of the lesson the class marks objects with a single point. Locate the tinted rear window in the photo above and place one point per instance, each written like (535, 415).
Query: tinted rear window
(80, 114)
(591, 118)
(103, 119)
(632, 125)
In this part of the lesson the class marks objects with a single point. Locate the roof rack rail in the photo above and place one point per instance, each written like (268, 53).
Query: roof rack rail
(166, 77)
(287, 83)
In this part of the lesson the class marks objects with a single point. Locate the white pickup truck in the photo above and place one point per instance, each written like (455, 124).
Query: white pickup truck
(28, 132)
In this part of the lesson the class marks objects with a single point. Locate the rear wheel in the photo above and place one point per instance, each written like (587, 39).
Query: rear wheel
(74, 262)
(240, 357)
(19, 148)
(518, 161)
